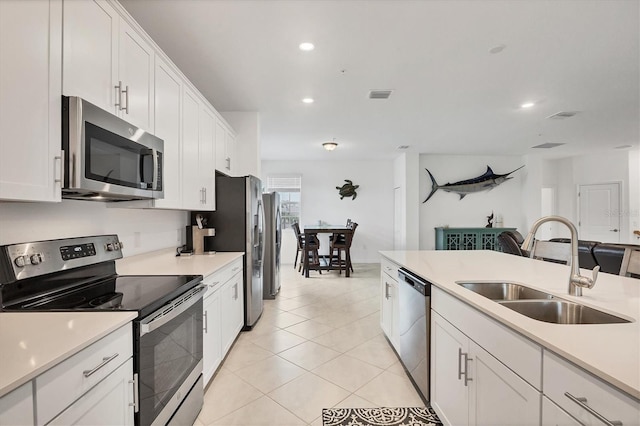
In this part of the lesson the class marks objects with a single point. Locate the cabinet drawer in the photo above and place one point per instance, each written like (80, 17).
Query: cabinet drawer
(60, 386)
(389, 268)
(521, 355)
(562, 378)
(223, 274)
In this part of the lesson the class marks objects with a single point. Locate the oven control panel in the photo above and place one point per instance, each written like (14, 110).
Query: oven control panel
(44, 257)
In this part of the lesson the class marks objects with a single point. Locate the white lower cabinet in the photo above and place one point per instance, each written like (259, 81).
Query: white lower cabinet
(92, 387)
(469, 385)
(585, 397)
(108, 403)
(552, 415)
(232, 308)
(389, 305)
(223, 315)
(211, 342)
(16, 408)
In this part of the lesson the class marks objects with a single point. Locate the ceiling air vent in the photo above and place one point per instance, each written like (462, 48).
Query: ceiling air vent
(403, 147)
(562, 115)
(547, 145)
(379, 94)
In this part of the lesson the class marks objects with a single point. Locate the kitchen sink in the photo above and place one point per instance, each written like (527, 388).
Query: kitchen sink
(561, 312)
(504, 291)
(539, 305)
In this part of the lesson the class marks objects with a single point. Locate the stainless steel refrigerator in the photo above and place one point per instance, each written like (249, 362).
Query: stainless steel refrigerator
(239, 224)
(272, 244)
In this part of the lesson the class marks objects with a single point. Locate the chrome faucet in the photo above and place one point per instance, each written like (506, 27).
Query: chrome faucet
(576, 281)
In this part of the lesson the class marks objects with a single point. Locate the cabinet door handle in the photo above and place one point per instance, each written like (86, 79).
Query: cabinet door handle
(386, 290)
(237, 268)
(126, 99)
(59, 160)
(205, 318)
(235, 297)
(464, 373)
(104, 362)
(119, 89)
(228, 163)
(582, 402)
(136, 396)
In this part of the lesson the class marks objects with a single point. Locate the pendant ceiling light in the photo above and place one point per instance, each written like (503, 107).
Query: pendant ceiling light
(330, 146)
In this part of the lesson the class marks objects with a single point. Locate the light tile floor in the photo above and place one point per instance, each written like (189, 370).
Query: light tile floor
(318, 345)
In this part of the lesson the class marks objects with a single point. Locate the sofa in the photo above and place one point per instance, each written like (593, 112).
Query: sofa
(590, 253)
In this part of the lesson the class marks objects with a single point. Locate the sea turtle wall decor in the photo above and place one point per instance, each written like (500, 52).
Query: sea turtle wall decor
(348, 190)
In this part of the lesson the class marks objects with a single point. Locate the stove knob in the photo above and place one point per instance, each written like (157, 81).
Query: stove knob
(19, 261)
(35, 259)
(110, 247)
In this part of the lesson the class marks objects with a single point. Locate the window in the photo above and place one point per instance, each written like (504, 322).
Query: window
(289, 189)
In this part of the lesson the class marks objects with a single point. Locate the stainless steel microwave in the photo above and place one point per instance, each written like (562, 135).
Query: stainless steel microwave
(107, 158)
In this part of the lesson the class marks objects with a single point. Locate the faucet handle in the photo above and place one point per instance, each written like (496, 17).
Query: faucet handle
(587, 282)
(594, 275)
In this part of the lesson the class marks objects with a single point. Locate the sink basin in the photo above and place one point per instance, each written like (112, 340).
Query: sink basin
(504, 291)
(561, 312)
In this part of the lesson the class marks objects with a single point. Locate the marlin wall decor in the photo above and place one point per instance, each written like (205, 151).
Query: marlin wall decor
(485, 182)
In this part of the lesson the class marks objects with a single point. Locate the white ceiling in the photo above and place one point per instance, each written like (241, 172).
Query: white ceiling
(450, 94)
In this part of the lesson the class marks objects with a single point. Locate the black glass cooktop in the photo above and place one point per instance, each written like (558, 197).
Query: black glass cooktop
(142, 293)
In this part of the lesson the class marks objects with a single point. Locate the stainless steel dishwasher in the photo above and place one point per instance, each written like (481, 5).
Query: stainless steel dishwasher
(414, 327)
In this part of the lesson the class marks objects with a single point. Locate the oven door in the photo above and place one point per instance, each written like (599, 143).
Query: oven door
(168, 358)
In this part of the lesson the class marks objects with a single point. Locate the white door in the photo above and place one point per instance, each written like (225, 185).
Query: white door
(599, 212)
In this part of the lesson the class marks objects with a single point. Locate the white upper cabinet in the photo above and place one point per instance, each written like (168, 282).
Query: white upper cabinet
(168, 87)
(90, 38)
(135, 68)
(225, 149)
(192, 189)
(206, 158)
(107, 62)
(30, 87)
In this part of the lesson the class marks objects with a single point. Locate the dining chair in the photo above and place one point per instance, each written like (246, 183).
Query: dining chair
(342, 243)
(314, 246)
(551, 251)
(631, 262)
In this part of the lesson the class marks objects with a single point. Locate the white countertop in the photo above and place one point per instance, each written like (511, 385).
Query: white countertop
(609, 351)
(165, 262)
(33, 342)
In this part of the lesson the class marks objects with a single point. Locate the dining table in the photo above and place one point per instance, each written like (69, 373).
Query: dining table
(314, 230)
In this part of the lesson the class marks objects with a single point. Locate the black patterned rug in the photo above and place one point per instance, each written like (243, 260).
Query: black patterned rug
(385, 416)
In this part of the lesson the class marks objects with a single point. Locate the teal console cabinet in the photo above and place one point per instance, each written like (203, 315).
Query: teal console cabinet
(468, 238)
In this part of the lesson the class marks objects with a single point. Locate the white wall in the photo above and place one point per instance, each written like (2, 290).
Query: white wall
(446, 208)
(140, 230)
(606, 167)
(372, 209)
(247, 127)
(406, 183)
(634, 195)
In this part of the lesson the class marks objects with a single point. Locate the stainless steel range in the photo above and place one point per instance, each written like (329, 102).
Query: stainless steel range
(80, 274)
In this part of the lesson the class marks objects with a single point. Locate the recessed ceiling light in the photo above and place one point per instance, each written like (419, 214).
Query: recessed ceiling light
(307, 100)
(527, 105)
(306, 46)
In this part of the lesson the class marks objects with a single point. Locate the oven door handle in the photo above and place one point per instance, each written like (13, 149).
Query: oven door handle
(167, 313)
